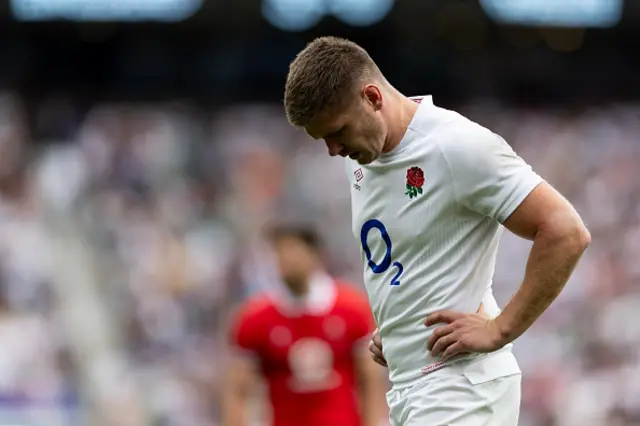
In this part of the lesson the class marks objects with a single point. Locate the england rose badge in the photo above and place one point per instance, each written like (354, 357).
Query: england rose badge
(415, 181)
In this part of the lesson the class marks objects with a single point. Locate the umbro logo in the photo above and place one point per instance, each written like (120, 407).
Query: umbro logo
(358, 176)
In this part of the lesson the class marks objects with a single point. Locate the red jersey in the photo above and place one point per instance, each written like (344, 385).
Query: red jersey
(306, 354)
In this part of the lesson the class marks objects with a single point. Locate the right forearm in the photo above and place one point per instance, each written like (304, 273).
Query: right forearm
(237, 392)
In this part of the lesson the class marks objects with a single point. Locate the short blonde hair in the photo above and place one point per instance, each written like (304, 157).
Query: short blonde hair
(324, 75)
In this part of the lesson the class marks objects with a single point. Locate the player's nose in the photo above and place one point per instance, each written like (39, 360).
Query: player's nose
(334, 148)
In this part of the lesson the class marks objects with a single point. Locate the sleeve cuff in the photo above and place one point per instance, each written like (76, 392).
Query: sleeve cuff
(518, 195)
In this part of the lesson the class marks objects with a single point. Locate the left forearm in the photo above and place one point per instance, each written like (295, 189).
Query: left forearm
(554, 255)
(371, 392)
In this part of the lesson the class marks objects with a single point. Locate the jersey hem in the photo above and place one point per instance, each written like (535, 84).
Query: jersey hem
(425, 372)
(502, 357)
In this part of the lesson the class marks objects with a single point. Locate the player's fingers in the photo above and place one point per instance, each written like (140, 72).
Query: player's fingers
(453, 350)
(380, 361)
(376, 352)
(443, 343)
(438, 333)
(442, 317)
(376, 340)
(375, 349)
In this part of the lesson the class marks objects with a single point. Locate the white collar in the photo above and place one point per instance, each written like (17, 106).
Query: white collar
(426, 99)
(319, 299)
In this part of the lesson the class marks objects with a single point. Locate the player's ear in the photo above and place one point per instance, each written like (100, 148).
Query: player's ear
(372, 94)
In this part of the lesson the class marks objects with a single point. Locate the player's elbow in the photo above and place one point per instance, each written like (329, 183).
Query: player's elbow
(567, 228)
(577, 233)
(583, 237)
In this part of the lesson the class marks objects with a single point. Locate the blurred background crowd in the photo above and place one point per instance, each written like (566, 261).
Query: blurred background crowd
(138, 163)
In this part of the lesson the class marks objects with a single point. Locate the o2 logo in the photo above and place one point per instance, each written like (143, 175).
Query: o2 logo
(385, 263)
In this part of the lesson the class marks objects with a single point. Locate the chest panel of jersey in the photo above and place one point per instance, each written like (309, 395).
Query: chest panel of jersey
(407, 220)
(308, 353)
(413, 226)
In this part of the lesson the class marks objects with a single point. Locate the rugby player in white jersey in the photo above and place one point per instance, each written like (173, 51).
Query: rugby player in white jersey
(431, 192)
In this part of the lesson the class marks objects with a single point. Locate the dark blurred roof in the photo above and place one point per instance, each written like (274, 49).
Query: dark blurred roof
(227, 53)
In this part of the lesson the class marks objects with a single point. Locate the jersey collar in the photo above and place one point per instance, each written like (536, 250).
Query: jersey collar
(318, 301)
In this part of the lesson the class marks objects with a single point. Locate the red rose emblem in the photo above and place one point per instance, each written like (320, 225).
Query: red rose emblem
(415, 177)
(415, 180)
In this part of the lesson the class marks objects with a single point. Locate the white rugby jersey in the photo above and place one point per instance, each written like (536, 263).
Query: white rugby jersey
(428, 219)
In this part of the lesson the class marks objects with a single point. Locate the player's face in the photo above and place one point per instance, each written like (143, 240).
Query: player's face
(357, 132)
(296, 262)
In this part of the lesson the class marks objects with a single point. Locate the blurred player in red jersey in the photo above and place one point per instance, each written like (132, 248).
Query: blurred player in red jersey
(308, 343)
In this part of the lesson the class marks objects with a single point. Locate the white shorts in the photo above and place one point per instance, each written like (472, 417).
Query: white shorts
(479, 392)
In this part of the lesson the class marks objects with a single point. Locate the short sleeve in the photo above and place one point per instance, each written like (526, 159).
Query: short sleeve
(243, 337)
(488, 177)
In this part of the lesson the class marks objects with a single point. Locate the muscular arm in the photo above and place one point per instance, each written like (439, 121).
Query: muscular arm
(371, 390)
(490, 179)
(240, 379)
(559, 240)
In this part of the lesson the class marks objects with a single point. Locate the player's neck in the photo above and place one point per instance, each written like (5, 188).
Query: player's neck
(400, 116)
(298, 289)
